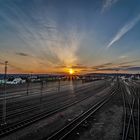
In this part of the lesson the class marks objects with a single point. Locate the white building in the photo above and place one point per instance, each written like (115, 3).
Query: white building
(16, 81)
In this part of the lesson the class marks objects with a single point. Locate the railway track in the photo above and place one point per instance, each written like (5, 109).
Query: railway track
(21, 124)
(32, 86)
(31, 91)
(80, 121)
(131, 113)
(44, 95)
(43, 107)
(36, 94)
(22, 91)
(16, 111)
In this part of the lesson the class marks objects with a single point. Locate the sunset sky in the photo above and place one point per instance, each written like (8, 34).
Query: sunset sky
(53, 36)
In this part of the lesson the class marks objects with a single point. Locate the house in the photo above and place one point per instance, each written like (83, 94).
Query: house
(2, 82)
(16, 81)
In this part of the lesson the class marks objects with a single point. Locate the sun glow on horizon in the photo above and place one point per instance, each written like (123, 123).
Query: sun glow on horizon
(71, 71)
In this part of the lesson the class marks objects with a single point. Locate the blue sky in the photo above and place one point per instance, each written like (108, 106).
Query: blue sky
(46, 36)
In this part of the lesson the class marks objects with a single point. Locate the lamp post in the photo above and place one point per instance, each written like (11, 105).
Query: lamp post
(4, 98)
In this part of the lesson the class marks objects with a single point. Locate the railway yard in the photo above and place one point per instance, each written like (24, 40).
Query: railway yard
(69, 70)
(105, 109)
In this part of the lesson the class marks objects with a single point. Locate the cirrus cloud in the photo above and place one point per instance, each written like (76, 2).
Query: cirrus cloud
(125, 29)
(107, 4)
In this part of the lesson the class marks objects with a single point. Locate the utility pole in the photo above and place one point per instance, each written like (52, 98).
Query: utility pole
(4, 98)
(41, 91)
(75, 80)
(59, 85)
(27, 85)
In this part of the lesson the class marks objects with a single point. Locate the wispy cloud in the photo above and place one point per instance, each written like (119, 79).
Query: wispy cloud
(133, 68)
(123, 57)
(127, 27)
(129, 62)
(126, 66)
(65, 50)
(107, 4)
(1, 63)
(103, 65)
(22, 54)
(37, 31)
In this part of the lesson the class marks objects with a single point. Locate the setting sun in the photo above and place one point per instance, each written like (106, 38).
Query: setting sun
(71, 71)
